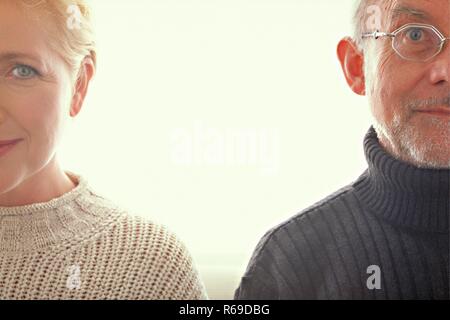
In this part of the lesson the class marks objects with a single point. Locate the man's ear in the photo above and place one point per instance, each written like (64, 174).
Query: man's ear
(85, 75)
(352, 63)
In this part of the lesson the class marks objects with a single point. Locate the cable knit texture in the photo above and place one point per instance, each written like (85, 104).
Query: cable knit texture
(82, 246)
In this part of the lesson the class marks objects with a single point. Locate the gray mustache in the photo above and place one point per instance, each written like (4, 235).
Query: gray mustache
(430, 102)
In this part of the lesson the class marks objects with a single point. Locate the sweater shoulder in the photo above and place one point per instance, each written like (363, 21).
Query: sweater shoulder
(160, 258)
(168, 261)
(285, 251)
(136, 244)
(127, 226)
(306, 216)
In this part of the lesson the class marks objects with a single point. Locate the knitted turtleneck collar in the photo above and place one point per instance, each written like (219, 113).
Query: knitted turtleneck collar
(59, 223)
(401, 193)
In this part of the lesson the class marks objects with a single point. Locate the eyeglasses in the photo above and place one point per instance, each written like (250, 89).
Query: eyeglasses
(414, 41)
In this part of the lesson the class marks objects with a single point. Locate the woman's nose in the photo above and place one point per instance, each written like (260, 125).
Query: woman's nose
(3, 113)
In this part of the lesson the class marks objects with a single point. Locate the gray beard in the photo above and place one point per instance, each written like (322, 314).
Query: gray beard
(403, 142)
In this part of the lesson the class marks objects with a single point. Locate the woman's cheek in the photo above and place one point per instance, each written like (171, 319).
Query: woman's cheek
(42, 121)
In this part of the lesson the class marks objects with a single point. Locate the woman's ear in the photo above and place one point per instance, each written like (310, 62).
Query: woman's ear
(85, 75)
(352, 63)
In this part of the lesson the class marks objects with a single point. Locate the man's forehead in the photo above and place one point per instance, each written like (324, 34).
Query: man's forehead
(416, 8)
(426, 11)
(402, 9)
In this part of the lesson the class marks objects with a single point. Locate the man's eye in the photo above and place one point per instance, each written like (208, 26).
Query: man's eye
(24, 72)
(415, 34)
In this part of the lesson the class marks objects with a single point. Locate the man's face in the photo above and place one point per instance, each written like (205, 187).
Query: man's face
(397, 88)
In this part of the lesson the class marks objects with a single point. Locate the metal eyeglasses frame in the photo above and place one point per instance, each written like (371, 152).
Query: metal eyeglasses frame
(377, 34)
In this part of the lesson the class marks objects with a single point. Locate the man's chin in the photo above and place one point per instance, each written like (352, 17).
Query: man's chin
(432, 164)
(429, 147)
(419, 144)
(421, 150)
(426, 154)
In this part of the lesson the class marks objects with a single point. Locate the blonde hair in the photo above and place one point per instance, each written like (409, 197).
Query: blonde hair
(73, 44)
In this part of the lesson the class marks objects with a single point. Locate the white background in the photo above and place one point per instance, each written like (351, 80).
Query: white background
(173, 72)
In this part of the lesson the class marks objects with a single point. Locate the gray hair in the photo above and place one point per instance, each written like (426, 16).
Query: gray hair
(359, 17)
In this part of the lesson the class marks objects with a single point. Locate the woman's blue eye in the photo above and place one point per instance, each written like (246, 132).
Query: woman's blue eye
(415, 34)
(24, 72)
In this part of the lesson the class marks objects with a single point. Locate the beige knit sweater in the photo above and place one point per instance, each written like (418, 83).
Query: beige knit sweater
(82, 246)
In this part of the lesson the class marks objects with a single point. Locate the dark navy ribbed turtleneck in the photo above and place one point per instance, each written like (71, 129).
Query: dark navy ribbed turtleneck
(401, 193)
(393, 218)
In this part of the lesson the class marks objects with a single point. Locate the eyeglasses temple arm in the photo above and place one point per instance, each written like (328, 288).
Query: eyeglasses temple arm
(377, 34)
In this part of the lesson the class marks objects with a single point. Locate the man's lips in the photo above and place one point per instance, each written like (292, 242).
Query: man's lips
(443, 111)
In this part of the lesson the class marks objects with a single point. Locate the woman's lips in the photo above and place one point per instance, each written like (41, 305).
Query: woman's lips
(6, 146)
(3, 142)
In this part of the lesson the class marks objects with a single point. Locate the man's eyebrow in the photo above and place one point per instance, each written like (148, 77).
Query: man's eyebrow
(401, 10)
(12, 55)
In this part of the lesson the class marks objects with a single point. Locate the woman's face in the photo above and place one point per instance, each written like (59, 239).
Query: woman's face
(35, 97)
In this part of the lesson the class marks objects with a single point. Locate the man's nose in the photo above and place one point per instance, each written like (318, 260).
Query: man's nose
(440, 72)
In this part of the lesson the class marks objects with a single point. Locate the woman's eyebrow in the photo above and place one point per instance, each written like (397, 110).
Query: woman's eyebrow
(12, 55)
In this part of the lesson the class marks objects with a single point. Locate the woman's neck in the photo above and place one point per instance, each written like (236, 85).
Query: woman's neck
(46, 184)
